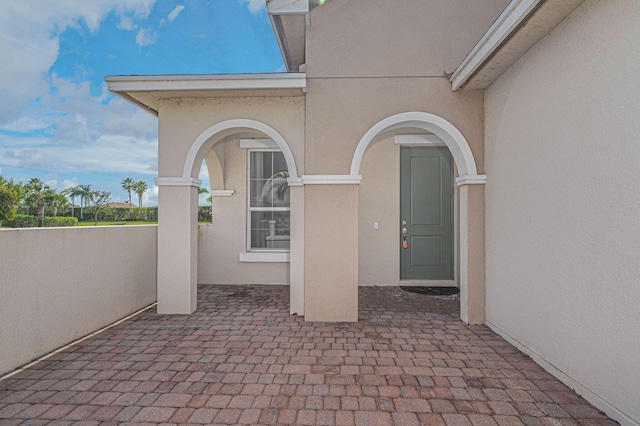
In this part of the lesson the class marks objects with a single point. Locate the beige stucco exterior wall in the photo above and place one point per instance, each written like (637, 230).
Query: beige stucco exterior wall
(220, 243)
(381, 38)
(562, 223)
(340, 111)
(379, 201)
(331, 253)
(60, 284)
(181, 121)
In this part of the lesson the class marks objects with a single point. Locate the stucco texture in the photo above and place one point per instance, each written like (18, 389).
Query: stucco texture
(60, 284)
(562, 223)
(181, 121)
(381, 38)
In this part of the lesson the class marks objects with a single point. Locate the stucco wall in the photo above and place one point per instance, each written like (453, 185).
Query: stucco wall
(381, 38)
(340, 111)
(379, 201)
(220, 244)
(562, 207)
(181, 121)
(60, 284)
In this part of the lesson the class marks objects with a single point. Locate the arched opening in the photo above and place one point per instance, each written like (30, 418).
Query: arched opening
(249, 240)
(382, 223)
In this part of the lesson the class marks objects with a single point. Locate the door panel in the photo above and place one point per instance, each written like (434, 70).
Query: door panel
(426, 205)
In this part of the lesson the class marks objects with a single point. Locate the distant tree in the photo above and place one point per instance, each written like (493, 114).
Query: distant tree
(140, 188)
(72, 192)
(10, 196)
(36, 197)
(97, 200)
(57, 201)
(84, 193)
(202, 190)
(128, 184)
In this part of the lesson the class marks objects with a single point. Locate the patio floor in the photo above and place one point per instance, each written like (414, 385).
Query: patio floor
(241, 359)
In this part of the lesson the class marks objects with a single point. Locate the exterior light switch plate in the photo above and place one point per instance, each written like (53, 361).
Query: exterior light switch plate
(375, 225)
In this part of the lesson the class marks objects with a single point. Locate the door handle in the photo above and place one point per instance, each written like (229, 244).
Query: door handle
(404, 235)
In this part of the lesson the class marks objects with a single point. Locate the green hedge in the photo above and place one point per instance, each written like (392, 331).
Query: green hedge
(26, 221)
(53, 222)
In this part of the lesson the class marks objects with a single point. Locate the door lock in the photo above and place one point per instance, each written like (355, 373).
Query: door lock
(404, 236)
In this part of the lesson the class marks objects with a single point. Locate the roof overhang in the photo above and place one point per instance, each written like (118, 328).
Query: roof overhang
(289, 19)
(146, 91)
(521, 25)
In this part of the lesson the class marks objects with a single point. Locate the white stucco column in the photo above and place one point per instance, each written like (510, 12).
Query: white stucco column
(331, 251)
(296, 257)
(177, 244)
(472, 254)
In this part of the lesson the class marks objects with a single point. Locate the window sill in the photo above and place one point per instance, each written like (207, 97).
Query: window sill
(265, 257)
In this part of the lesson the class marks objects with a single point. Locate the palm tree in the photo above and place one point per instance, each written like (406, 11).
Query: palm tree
(35, 197)
(57, 201)
(84, 193)
(72, 192)
(140, 188)
(128, 185)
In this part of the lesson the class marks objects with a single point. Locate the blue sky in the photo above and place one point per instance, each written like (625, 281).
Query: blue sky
(59, 123)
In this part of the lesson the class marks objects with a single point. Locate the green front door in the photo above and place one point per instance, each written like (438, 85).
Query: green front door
(426, 213)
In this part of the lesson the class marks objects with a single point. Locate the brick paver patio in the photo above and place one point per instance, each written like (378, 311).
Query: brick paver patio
(241, 359)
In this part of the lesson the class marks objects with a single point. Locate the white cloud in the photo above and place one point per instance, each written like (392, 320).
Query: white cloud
(146, 36)
(69, 183)
(255, 6)
(150, 198)
(172, 15)
(30, 42)
(127, 23)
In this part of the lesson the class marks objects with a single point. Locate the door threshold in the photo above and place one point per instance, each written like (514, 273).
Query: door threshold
(429, 283)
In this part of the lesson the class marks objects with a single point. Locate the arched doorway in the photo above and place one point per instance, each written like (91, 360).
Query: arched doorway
(469, 209)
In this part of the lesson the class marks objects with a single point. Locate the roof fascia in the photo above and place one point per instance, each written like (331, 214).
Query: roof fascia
(516, 12)
(276, 9)
(122, 85)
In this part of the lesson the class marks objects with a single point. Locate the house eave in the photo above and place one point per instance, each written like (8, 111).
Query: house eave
(145, 91)
(289, 19)
(521, 25)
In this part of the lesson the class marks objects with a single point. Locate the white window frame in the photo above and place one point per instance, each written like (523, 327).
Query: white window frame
(251, 209)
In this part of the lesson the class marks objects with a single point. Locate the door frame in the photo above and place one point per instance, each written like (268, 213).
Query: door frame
(430, 140)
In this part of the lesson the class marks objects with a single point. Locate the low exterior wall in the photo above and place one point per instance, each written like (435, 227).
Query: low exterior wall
(562, 223)
(60, 284)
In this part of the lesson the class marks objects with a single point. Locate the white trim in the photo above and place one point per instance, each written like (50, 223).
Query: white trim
(471, 180)
(295, 181)
(266, 257)
(331, 179)
(509, 20)
(447, 132)
(418, 140)
(222, 192)
(257, 144)
(152, 83)
(284, 7)
(177, 181)
(240, 123)
(581, 390)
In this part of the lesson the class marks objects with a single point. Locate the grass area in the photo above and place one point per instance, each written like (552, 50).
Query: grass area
(122, 222)
(115, 222)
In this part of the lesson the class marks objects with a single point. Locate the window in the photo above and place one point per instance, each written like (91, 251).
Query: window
(269, 205)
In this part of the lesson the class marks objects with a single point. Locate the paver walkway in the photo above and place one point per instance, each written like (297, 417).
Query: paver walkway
(242, 359)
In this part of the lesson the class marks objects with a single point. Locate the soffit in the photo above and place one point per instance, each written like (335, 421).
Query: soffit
(289, 19)
(522, 24)
(147, 91)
